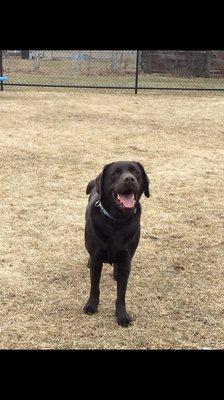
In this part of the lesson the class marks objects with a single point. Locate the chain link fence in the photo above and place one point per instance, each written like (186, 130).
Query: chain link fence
(114, 69)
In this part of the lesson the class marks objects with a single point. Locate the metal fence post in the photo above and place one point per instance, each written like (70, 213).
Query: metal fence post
(136, 72)
(1, 69)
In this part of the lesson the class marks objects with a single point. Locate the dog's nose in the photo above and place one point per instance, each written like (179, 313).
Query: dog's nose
(129, 179)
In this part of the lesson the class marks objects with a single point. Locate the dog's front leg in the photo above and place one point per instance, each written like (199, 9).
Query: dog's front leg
(95, 273)
(122, 274)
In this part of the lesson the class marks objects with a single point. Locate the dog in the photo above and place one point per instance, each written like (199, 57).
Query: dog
(112, 228)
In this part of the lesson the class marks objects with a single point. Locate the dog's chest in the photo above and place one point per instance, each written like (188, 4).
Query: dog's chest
(110, 255)
(116, 245)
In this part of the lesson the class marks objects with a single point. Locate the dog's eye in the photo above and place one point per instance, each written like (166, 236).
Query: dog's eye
(134, 171)
(116, 172)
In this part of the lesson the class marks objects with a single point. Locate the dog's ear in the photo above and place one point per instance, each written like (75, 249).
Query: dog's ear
(99, 181)
(90, 186)
(146, 180)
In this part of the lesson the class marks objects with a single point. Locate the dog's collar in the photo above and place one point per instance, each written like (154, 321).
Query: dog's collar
(105, 212)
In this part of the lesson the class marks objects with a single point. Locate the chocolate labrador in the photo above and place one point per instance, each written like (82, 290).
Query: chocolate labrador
(112, 228)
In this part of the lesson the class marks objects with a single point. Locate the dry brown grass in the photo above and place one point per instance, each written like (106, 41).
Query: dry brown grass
(52, 144)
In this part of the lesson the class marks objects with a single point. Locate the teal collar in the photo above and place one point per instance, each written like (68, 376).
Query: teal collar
(105, 212)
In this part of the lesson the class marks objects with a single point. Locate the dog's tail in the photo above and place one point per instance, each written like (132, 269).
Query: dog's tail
(90, 186)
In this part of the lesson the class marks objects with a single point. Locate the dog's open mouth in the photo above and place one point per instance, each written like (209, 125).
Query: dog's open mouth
(126, 199)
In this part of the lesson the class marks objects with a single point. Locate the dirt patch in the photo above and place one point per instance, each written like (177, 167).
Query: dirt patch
(51, 145)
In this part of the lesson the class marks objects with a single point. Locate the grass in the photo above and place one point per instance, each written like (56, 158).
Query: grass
(52, 144)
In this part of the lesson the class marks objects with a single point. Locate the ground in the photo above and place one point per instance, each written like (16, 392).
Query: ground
(51, 145)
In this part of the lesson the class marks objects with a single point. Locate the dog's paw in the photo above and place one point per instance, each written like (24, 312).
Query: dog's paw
(124, 320)
(90, 308)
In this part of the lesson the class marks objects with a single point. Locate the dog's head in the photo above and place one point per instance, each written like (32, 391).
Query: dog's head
(122, 183)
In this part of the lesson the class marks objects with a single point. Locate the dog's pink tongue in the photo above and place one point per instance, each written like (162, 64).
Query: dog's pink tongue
(128, 200)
